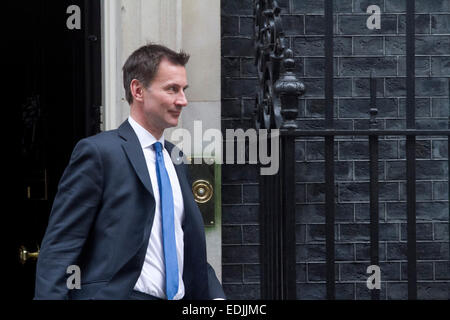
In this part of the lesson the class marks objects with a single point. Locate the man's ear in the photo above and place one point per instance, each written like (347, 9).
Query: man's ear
(137, 90)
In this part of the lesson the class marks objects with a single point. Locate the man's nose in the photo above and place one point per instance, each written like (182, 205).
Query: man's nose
(181, 99)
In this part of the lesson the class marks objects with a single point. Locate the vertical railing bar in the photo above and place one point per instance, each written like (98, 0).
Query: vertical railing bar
(272, 280)
(329, 150)
(288, 193)
(277, 213)
(448, 170)
(374, 192)
(411, 150)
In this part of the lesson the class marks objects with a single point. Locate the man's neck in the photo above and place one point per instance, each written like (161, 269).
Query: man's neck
(143, 123)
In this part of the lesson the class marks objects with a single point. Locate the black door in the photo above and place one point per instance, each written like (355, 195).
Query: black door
(53, 86)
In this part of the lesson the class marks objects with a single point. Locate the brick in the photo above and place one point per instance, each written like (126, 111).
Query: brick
(354, 232)
(440, 190)
(250, 194)
(311, 291)
(424, 231)
(440, 66)
(377, 66)
(368, 46)
(250, 234)
(230, 26)
(293, 25)
(252, 273)
(231, 108)
(442, 270)
(432, 86)
(345, 291)
(362, 172)
(316, 232)
(360, 6)
(433, 291)
(440, 23)
(355, 271)
(315, 67)
(395, 45)
(432, 45)
(439, 149)
(423, 150)
(422, 24)
(363, 293)
(308, 46)
(240, 254)
(310, 213)
(390, 270)
(424, 271)
(231, 234)
(242, 292)
(423, 6)
(300, 233)
(246, 26)
(427, 6)
(235, 214)
(389, 232)
(397, 290)
(300, 269)
(242, 7)
(310, 253)
(423, 191)
(432, 169)
(307, 6)
(422, 68)
(315, 192)
(440, 230)
(357, 24)
(432, 250)
(237, 47)
(362, 252)
(344, 252)
(395, 5)
(361, 87)
(239, 88)
(396, 251)
(309, 172)
(239, 173)
(232, 273)
(423, 109)
(432, 211)
(231, 194)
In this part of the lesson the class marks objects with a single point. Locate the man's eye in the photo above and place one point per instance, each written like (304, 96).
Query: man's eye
(172, 89)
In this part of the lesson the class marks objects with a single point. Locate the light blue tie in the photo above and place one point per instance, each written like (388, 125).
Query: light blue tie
(168, 226)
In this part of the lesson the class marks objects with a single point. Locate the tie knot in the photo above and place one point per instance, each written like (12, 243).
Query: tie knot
(157, 146)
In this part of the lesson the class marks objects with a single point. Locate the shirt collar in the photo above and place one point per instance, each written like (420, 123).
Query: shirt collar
(145, 138)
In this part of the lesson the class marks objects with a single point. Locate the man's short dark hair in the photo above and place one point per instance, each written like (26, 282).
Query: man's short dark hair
(143, 65)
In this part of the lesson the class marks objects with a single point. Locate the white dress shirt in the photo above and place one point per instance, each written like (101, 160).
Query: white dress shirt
(152, 278)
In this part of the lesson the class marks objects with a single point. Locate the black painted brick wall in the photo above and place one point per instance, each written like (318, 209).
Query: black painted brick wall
(358, 52)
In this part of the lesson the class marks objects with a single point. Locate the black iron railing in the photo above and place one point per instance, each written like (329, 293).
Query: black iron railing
(277, 108)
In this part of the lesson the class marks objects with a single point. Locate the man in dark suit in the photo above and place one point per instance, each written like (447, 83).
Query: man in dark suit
(124, 212)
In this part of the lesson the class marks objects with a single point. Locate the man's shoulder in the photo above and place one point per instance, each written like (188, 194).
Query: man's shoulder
(102, 141)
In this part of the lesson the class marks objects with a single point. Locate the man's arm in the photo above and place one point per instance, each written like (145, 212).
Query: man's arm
(74, 209)
(215, 288)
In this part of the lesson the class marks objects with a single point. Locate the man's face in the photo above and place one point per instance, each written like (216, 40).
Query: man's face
(165, 97)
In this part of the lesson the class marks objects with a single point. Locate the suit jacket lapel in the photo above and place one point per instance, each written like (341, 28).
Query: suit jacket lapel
(134, 153)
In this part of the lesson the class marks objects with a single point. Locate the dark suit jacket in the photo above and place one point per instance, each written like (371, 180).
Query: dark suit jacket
(101, 221)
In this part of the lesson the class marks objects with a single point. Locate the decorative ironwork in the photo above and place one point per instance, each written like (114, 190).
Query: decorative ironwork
(276, 104)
